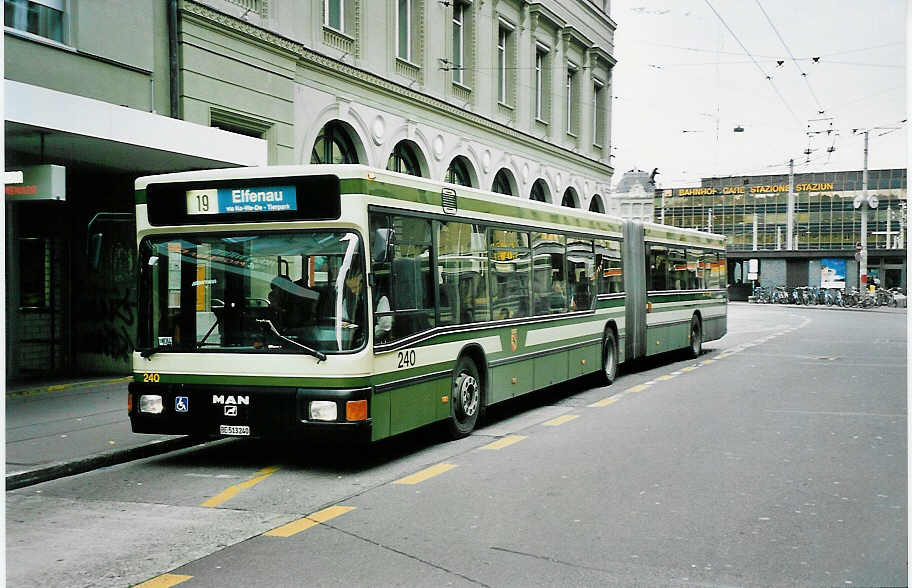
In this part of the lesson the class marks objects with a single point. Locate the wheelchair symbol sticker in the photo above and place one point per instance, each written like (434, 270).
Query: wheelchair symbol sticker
(182, 404)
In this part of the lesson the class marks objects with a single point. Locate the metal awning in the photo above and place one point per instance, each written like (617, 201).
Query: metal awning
(77, 131)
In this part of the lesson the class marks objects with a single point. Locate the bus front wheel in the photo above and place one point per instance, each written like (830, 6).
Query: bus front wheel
(465, 400)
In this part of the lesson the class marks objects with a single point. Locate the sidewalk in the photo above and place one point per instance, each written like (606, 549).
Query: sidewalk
(57, 428)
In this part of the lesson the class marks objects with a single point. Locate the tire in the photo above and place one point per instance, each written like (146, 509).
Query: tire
(696, 338)
(609, 359)
(465, 400)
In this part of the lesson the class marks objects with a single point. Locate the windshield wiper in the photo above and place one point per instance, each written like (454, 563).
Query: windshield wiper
(147, 353)
(209, 332)
(318, 354)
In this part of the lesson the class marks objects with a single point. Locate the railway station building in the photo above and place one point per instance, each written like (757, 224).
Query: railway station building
(752, 212)
(508, 95)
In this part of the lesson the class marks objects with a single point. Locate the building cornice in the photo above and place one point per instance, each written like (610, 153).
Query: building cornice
(543, 13)
(602, 55)
(377, 83)
(574, 35)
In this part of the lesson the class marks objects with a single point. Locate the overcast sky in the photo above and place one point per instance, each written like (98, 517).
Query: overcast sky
(683, 68)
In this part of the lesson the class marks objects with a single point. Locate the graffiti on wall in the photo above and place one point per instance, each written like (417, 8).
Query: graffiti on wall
(110, 324)
(106, 305)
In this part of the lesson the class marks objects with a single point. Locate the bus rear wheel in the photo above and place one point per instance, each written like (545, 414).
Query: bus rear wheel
(609, 359)
(465, 400)
(696, 338)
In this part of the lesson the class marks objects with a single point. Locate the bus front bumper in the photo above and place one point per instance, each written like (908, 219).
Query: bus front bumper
(262, 412)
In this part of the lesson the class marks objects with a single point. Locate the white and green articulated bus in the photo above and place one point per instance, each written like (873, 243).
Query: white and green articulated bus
(349, 302)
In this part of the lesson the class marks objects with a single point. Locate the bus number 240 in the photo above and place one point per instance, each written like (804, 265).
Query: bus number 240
(407, 358)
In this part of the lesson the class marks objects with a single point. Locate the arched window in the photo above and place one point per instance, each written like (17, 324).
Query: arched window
(502, 183)
(539, 191)
(404, 159)
(569, 199)
(596, 205)
(333, 145)
(458, 172)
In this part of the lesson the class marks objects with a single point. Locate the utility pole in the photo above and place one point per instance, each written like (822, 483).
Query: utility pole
(863, 261)
(790, 211)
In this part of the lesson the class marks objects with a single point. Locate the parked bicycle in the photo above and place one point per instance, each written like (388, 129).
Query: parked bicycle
(780, 295)
(884, 297)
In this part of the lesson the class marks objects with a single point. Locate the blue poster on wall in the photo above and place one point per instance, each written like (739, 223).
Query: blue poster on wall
(832, 273)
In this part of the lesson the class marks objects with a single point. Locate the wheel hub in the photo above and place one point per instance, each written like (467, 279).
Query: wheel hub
(468, 395)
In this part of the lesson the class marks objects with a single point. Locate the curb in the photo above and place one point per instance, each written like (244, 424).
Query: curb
(880, 309)
(59, 387)
(87, 464)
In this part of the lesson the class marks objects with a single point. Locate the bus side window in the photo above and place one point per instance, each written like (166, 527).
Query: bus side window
(695, 267)
(657, 262)
(581, 270)
(462, 265)
(608, 262)
(412, 283)
(549, 280)
(381, 236)
(510, 273)
(678, 276)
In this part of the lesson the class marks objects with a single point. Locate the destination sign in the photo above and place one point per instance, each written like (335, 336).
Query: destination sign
(242, 200)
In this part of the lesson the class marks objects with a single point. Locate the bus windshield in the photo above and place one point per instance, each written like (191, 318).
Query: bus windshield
(269, 292)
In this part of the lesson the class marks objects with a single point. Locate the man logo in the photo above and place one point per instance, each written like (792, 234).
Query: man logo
(231, 410)
(226, 400)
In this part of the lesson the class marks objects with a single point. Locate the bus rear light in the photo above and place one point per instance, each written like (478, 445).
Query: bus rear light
(356, 410)
(129, 403)
(151, 403)
(323, 410)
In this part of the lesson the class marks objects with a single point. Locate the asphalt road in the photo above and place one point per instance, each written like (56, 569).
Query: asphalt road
(778, 458)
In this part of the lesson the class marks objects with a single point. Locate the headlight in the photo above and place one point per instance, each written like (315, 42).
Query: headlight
(151, 403)
(323, 410)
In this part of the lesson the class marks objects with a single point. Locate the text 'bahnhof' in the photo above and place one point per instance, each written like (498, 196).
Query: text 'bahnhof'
(752, 212)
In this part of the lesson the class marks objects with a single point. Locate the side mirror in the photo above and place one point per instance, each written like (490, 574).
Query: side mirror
(93, 250)
(382, 245)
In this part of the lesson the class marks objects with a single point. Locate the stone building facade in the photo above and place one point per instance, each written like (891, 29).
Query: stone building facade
(509, 95)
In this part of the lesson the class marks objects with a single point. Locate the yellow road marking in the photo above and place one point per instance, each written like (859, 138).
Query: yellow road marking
(706, 361)
(606, 401)
(163, 581)
(504, 442)
(561, 420)
(689, 368)
(426, 473)
(665, 378)
(637, 388)
(309, 521)
(231, 492)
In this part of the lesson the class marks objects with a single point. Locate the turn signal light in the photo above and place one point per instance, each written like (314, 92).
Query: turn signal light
(356, 410)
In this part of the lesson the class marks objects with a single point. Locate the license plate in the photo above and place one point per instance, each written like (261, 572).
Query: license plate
(240, 430)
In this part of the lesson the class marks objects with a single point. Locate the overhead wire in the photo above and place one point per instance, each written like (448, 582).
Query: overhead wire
(789, 51)
(768, 77)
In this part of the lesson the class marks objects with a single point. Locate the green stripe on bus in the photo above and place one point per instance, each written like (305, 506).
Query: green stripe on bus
(287, 381)
(140, 197)
(408, 194)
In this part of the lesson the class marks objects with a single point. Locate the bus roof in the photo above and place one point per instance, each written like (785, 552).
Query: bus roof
(373, 181)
